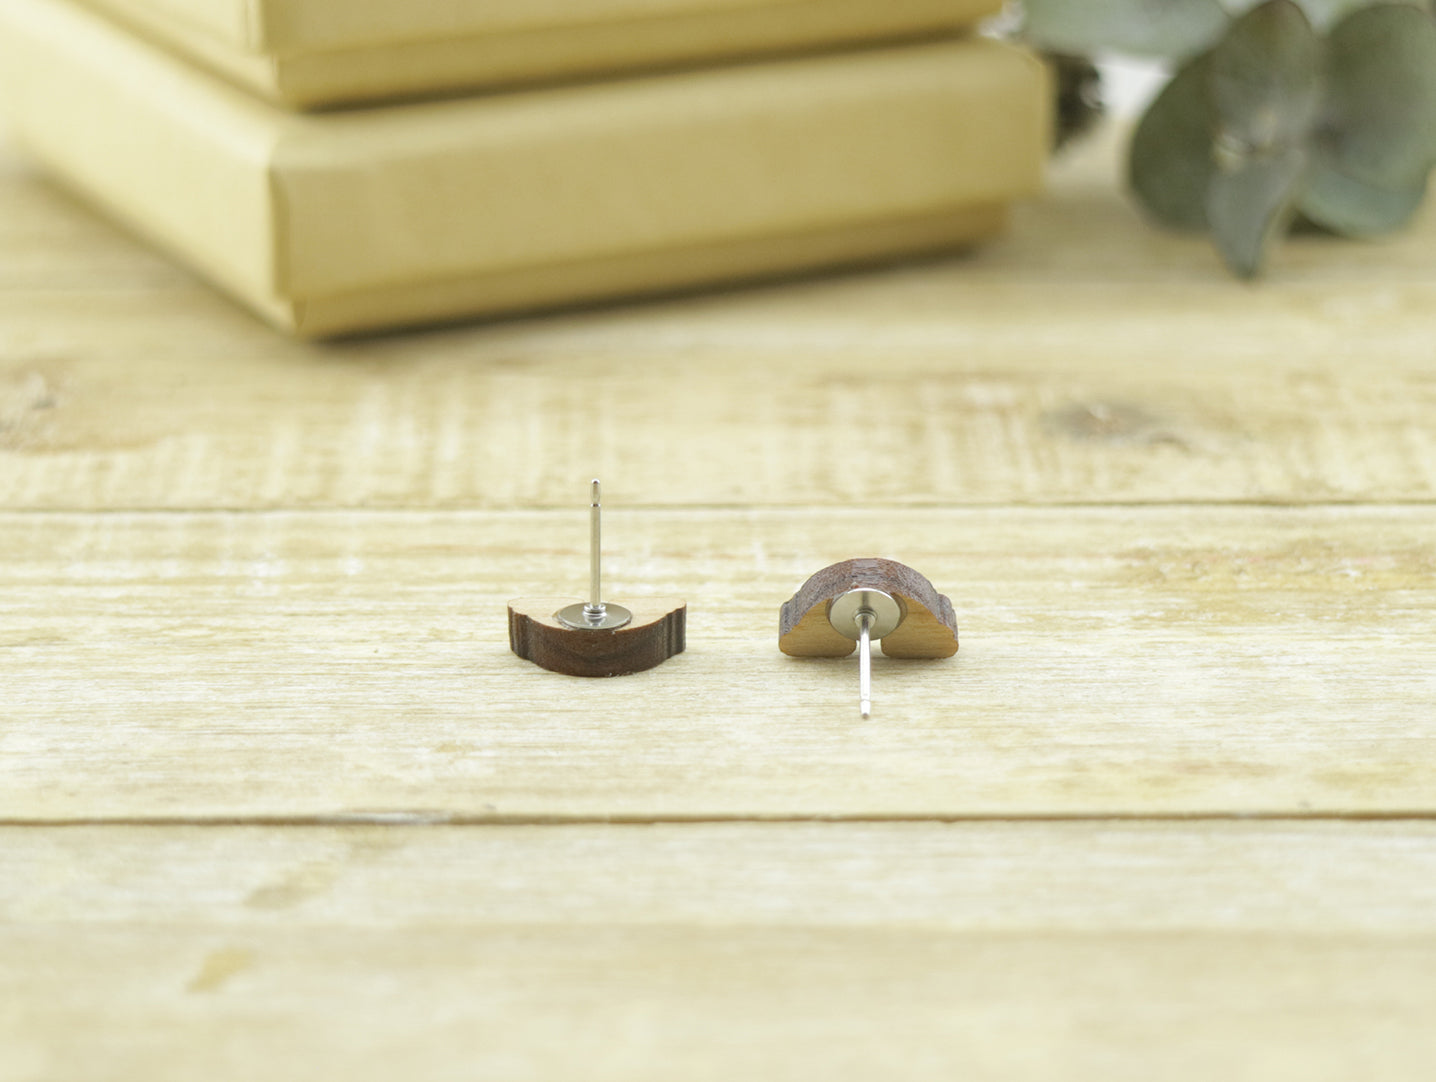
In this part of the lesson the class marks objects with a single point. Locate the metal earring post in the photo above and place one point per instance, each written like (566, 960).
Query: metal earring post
(593, 611)
(865, 614)
(594, 614)
(865, 663)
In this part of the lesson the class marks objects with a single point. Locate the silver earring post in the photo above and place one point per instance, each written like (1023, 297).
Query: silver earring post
(865, 614)
(594, 614)
(594, 609)
(865, 663)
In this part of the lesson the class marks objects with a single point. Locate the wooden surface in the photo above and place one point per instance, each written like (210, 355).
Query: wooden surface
(277, 801)
(713, 951)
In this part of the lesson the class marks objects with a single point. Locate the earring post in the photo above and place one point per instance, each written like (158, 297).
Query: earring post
(865, 662)
(595, 606)
(595, 614)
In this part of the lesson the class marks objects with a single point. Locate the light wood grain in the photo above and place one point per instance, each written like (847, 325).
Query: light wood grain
(1299, 876)
(844, 951)
(1087, 359)
(1169, 660)
(337, 648)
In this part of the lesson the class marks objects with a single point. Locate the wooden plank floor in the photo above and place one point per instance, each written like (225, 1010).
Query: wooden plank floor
(276, 800)
(915, 950)
(1117, 661)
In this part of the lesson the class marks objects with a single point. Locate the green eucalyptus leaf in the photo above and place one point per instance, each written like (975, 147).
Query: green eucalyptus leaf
(1169, 28)
(1170, 163)
(1379, 123)
(1252, 203)
(1266, 78)
(1323, 14)
(1355, 208)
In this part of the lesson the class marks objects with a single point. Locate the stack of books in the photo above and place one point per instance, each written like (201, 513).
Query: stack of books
(345, 165)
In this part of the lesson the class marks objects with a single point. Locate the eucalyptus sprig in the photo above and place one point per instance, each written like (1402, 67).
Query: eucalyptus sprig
(1319, 110)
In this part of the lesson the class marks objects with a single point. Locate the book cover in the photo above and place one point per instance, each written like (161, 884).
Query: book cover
(336, 222)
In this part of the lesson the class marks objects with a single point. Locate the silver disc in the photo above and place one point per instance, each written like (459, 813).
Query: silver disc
(843, 613)
(580, 617)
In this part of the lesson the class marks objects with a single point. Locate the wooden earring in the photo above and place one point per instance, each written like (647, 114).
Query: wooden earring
(596, 637)
(855, 601)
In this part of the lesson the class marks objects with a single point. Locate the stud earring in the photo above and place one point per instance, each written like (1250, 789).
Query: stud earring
(597, 637)
(856, 601)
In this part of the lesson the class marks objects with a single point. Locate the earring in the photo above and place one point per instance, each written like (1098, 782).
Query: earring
(597, 637)
(856, 601)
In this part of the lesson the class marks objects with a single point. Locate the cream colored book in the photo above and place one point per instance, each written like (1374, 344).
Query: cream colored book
(322, 52)
(337, 222)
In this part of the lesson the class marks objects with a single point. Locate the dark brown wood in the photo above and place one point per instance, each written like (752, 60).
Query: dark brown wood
(928, 628)
(658, 631)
